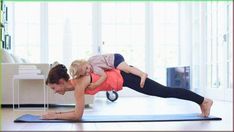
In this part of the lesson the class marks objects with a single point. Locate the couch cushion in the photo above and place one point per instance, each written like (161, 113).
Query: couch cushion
(24, 61)
(17, 59)
(6, 57)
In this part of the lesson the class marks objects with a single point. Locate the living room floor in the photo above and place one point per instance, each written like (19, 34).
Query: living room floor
(130, 106)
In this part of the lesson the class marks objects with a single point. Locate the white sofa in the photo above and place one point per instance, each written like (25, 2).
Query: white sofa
(31, 91)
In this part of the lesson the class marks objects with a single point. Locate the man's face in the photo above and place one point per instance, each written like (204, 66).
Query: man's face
(57, 88)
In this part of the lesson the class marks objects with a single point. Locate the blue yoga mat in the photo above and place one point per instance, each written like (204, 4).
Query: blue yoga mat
(120, 118)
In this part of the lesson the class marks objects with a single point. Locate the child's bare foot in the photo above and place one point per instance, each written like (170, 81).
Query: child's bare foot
(206, 106)
(143, 78)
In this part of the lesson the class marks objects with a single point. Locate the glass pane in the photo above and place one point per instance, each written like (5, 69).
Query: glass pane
(70, 31)
(230, 45)
(230, 75)
(215, 81)
(166, 32)
(209, 76)
(218, 48)
(123, 25)
(27, 31)
(27, 12)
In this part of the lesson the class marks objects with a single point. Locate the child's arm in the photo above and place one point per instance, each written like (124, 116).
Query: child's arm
(102, 78)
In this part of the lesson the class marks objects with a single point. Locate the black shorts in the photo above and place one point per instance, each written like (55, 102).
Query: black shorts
(118, 58)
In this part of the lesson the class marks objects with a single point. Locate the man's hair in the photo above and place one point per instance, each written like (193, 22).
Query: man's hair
(56, 73)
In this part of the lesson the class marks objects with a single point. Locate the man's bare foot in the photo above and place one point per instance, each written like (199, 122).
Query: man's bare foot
(206, 106)
(143, 78)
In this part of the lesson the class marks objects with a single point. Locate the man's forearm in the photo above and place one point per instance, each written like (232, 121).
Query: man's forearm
(70, 115)
(62, 112)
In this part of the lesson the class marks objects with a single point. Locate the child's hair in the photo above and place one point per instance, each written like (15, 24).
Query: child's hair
(57, 72)
(76, 68)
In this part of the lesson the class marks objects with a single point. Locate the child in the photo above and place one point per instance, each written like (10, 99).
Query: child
(99, 63)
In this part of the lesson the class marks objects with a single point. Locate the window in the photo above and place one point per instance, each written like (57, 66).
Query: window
(27, 31)
(197, 34)
(70, 31)
(123, 31)
(219, 55)
(123, 25)
(166, 38)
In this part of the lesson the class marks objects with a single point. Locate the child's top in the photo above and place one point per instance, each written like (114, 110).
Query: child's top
(101, 63)
(114, 82)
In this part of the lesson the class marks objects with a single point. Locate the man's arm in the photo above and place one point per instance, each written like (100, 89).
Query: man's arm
(79, 97)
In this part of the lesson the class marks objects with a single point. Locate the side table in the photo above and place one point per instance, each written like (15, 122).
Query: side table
(29, 77)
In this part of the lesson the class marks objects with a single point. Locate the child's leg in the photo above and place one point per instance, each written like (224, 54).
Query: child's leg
(130, 69)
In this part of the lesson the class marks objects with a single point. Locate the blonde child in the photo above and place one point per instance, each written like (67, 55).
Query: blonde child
(99, 63)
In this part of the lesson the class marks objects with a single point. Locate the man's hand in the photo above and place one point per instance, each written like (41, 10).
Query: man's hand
(49, 116)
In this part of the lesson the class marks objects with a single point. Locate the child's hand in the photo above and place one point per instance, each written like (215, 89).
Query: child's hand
(143, 78)
(92, 86)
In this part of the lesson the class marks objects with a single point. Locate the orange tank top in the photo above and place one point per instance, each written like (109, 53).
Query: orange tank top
(114, 81)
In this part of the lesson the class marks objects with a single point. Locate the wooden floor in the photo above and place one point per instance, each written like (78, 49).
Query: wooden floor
(131, 106)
